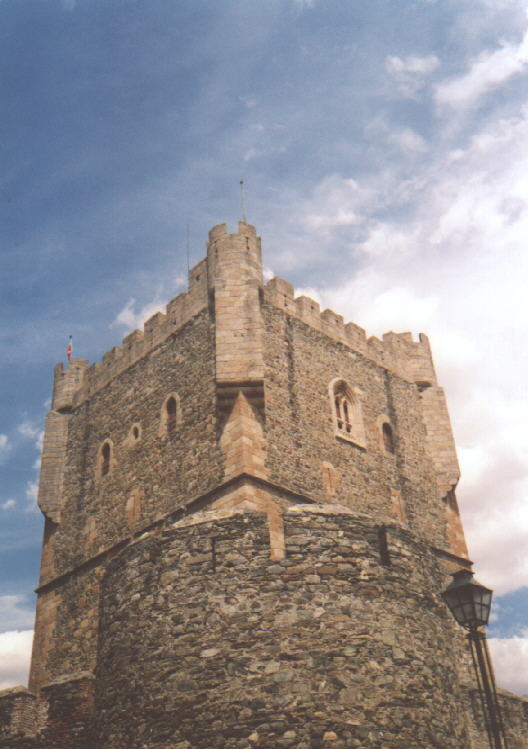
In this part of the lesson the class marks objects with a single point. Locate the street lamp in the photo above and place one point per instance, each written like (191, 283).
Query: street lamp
(470, 604)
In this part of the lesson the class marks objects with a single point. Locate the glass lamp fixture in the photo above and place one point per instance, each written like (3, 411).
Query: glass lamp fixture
(468, 600)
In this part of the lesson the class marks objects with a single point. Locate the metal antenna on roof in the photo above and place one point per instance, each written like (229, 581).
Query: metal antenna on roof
(243, 201)
(188, 243)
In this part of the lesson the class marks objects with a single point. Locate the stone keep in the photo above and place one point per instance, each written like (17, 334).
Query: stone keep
(249, 520)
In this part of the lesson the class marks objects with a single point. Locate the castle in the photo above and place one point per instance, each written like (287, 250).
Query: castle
(250, 518)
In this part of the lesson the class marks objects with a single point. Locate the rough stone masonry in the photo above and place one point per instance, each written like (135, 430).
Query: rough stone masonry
(250, 516)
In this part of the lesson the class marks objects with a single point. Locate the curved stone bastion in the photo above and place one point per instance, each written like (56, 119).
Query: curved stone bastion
(206, 642)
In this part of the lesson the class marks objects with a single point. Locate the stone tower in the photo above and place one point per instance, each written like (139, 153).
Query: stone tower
(249, 519)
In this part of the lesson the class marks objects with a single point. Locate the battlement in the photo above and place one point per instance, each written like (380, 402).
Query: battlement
(397, 352)
(231, 276)
(73, 385)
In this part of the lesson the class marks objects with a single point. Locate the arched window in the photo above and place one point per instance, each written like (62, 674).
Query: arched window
(348, 419)
(170, 415)
(388, 441)
(134, 434)
(105, 458)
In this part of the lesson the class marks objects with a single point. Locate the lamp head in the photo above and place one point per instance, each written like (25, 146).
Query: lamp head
(468, 600)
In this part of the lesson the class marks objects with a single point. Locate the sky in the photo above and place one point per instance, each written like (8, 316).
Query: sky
(384, 149)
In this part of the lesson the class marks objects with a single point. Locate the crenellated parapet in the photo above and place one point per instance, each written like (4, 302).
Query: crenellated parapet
(67, 382)
(229, 280)
(397, 352)
(78, 382)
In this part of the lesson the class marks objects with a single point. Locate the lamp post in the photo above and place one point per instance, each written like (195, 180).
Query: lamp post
(470, 604)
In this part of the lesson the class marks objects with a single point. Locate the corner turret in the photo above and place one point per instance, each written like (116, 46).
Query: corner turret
(234, 268)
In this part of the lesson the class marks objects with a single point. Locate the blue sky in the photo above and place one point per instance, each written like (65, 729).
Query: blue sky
(384, 148)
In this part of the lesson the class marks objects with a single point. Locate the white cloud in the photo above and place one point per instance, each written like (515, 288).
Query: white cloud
(31, 431)
(309, 292)
(410, 73)
(452, 264)
(14, 613)
(335, 202)
(8, 504)
(5, 446)
(421, 65)
(250, 101)
(251, 153)
(130, 318)
(510, 661)
(32, 495)
(487, 71)
(15, 656)
(408, 140)
(27, 429)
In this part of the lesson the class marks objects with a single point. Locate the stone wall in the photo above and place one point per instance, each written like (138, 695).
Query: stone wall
(301, 363)
(251, 577)
(148, 478)
(206, 642)
(69, 714)
(18, 718)
(514, 711)
(62, 717)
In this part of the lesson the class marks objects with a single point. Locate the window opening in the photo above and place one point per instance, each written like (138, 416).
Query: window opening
(346, 410)
(213, 554)
(348, 425)
(343, 409)
(383, 546)
(105, 465)
(388, 441)
(171, 415)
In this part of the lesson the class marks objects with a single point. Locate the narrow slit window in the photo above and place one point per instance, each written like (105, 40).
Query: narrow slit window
(213, 554)
(171, 415)
(388, 440)
(383, 546)
(339, 418)
(348, 425)
(106, 453)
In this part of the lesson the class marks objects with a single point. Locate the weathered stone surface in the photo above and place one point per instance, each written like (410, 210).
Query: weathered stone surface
(279, 659)
(222, 566)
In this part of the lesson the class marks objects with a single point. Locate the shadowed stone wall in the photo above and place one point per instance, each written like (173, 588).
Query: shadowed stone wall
(220, 646)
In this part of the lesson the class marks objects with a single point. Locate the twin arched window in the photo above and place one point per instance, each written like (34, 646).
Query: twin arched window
(347, 414)
(348, 417)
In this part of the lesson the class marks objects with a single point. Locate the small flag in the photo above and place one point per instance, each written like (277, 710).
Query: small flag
(69, 350)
